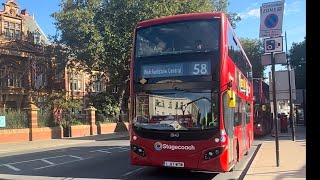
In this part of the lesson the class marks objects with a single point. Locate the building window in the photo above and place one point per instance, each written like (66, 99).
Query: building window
(6, 32)
(17, 35)
(170, 104)
(12, 30)
(6, 24)
(157, 102)
(75, 81)
(10, 76)
(37, 37)
(11, 33)
(97, 84)
(11, 25)
(18, 26)
(39, 76)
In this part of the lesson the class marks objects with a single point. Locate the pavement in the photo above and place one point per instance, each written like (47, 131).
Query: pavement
(291, 160)
(263, 165)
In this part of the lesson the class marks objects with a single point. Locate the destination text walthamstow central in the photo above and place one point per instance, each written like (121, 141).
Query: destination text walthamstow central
(163, 71)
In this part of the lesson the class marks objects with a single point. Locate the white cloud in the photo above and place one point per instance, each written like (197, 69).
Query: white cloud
(252, 13)
(294, 7)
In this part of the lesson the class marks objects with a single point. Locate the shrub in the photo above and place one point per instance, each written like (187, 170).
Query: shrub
(102, 119)
(45, 118)
(15, 119)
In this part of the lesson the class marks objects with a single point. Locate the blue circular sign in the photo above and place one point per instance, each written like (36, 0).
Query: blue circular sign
(271, 21)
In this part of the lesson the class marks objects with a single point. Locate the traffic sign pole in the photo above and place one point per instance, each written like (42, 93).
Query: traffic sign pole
(275, 114)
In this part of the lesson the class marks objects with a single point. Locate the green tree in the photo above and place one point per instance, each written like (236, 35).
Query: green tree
(99, 33)
(297, 59)
(254, 49)
(61, 106)
(222, 6)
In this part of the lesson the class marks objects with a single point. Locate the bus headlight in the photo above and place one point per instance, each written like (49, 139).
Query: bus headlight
(212, 153)
(138, 150)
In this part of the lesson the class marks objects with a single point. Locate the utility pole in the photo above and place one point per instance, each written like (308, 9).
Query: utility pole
(291, 119)
(275, 114)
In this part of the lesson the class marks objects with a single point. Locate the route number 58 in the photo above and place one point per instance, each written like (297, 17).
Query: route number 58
(200, 69)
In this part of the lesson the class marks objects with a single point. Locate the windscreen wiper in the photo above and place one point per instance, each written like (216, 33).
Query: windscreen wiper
(157, 93)
(188, 90)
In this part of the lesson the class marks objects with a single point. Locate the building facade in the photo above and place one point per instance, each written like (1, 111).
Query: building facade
(25, 68)
(28, 72)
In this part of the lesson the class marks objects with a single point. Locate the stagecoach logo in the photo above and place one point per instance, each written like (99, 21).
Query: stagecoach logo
(174, 135)
(159, 146)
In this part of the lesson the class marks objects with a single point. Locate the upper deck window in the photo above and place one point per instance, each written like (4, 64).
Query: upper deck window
(178, 37)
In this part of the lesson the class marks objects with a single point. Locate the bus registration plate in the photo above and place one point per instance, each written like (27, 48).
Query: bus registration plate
(173, 164)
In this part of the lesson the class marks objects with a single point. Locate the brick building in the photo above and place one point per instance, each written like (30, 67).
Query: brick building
(24, 66)
(27, 71)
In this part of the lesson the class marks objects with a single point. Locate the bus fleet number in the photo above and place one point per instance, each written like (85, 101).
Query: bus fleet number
(200, 69)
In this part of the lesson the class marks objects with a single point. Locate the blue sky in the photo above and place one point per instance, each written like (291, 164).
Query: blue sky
(294, 18)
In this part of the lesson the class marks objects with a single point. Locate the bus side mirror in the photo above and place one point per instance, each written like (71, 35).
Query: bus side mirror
(263, 107)
(232, 97)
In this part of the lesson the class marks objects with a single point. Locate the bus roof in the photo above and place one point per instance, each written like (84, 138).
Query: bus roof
(179, 17)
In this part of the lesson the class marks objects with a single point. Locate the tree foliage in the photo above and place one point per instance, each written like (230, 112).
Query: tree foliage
(61, 106)
(254, 49)
(297, 59)
(99, 33)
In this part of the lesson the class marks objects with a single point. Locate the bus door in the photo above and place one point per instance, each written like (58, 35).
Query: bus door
(243, 125)
(228, 116)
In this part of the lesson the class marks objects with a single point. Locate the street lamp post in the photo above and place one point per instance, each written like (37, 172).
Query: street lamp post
(291, 119)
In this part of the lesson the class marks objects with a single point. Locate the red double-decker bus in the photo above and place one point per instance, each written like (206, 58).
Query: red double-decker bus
(194, 65)
(262, 117)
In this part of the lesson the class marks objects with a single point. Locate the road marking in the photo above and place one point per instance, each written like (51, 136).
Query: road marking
(128, 173)
(101, 150)
(34, 160)
(76, 157)
(124, 150)
(62, 163)
(11, 167)
(46, 161)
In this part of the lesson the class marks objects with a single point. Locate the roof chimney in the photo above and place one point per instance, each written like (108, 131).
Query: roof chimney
(25, 12)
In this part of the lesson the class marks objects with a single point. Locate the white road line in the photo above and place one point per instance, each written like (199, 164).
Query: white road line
(34, 160)
(76, 157)
(124, 147)
(62, 163)
(46, 161)
(128, 173)
(11, 167)
(124, 150)
(101, 150)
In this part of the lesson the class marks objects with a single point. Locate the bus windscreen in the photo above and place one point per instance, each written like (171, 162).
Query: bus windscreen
(178, 37)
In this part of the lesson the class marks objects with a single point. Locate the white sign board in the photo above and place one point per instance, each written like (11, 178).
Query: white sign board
(282, 85)
(2, 121)
(273, 45)
(280, 58)
(271, 15)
